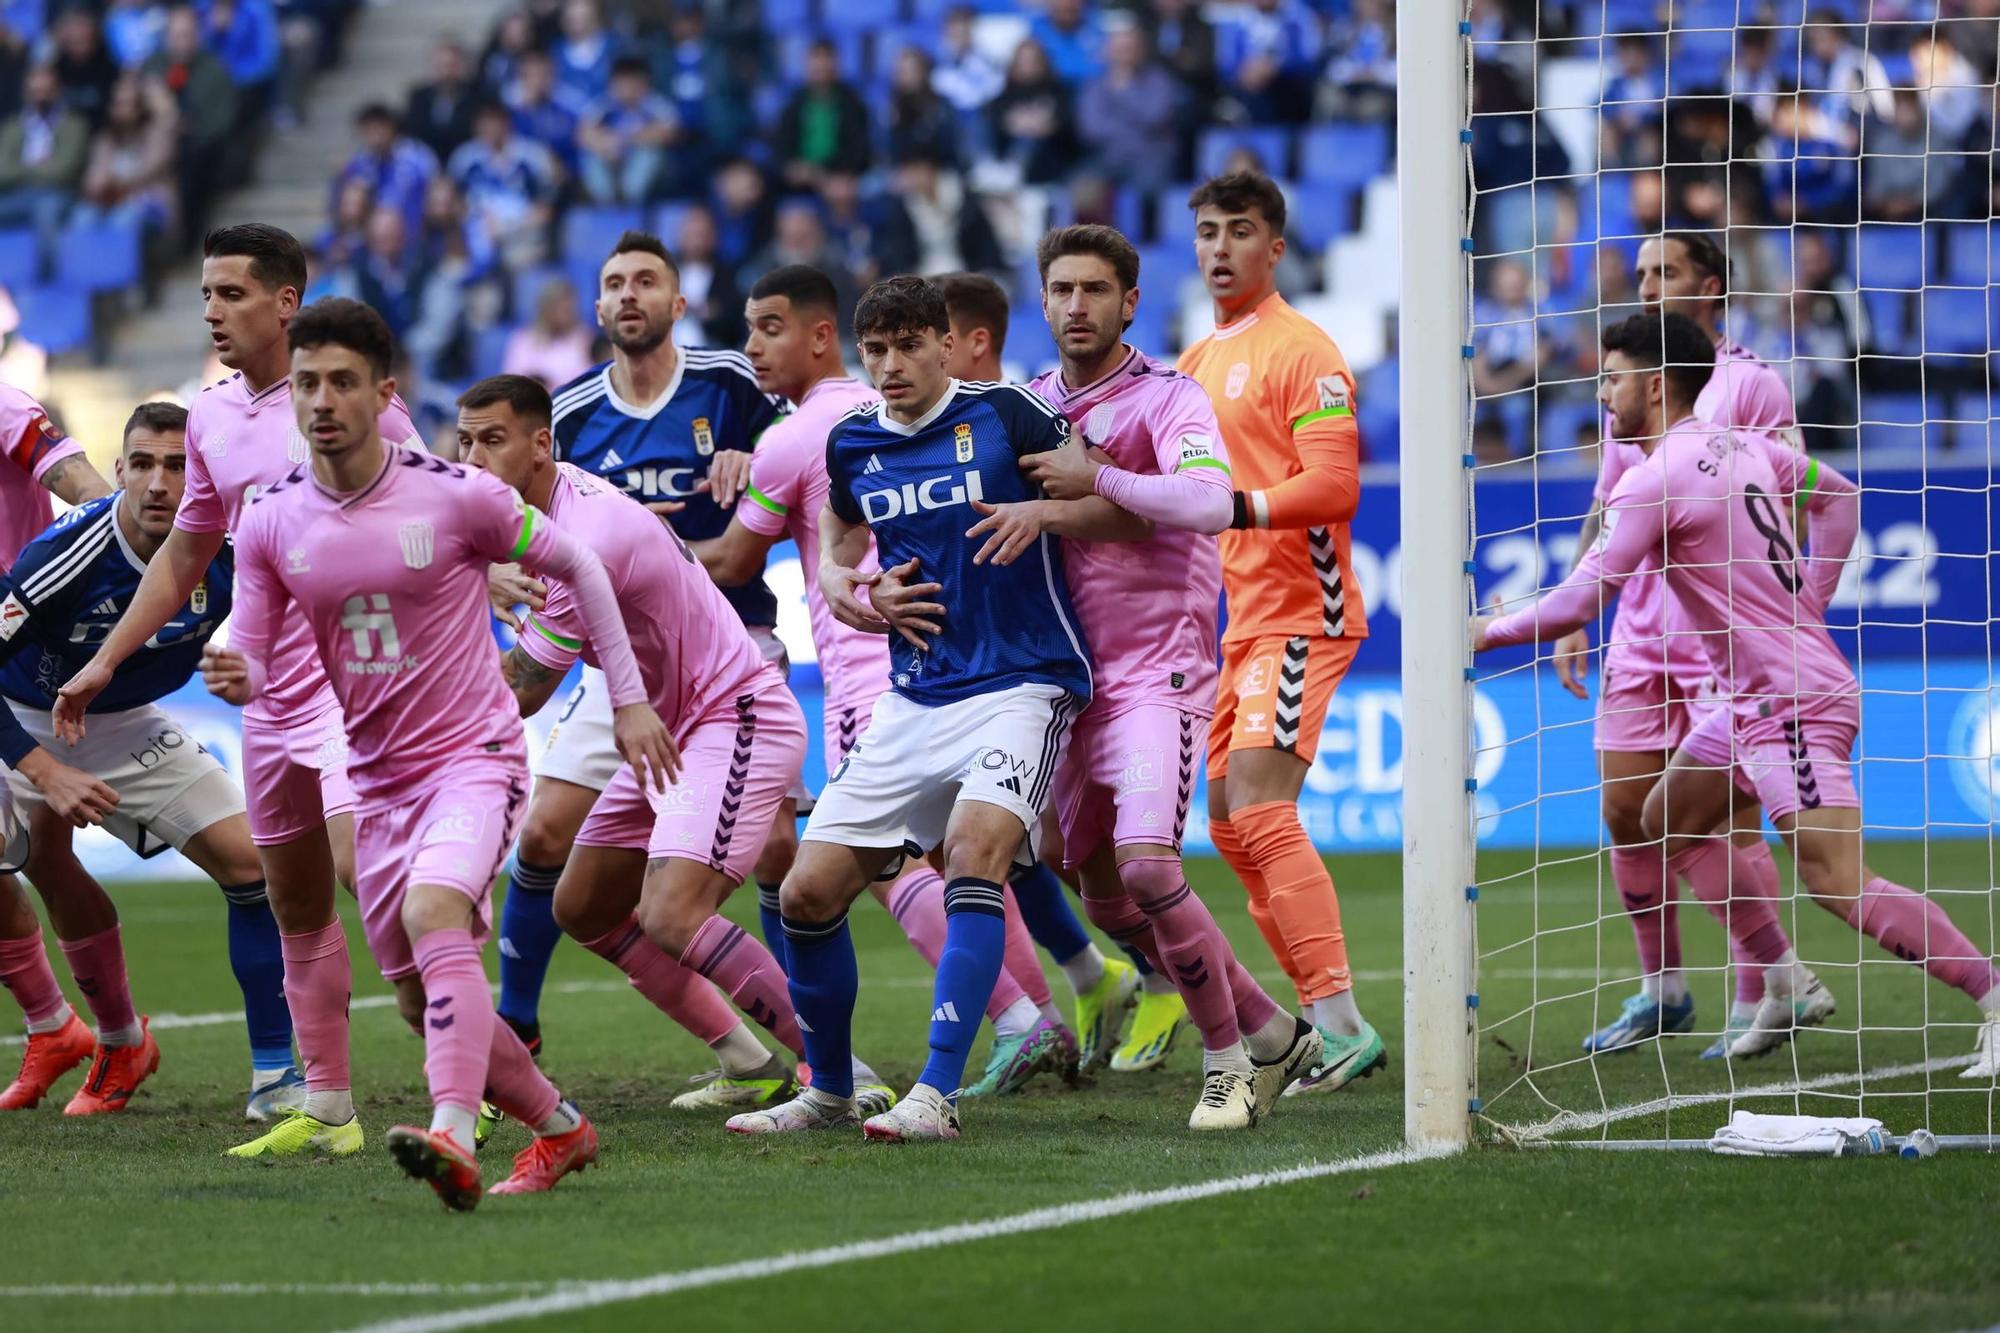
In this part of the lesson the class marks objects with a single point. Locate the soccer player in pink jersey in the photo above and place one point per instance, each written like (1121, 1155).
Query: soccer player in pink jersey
(1710, 506)
(383, 550)
(737, 727)
(1149, 610)
(795, 348)
(1657, 676)
(242, 437)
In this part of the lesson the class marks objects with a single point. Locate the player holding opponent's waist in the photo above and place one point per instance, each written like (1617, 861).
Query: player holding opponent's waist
(964, 748)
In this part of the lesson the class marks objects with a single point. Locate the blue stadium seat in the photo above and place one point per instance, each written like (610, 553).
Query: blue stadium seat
(1271, 143)
(1705, 14)
(787, 15)
(1029, 342)
(1633, 16)
(1344, 152)
(489, 349)
(1162, 267)
(665, 220)
(56, 318)
(1699, 61)
(1956, 320)
(528, 290)
(861, 15)
(589, 231)
(1322, 211)
(1971, 257)
(1892, 421)
(1890, 255)
(99, 258)
(1149, 323)
(20, 258)
(1889, 323)
(1614, 205)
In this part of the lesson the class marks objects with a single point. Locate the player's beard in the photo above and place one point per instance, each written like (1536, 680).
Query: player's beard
(645, 341)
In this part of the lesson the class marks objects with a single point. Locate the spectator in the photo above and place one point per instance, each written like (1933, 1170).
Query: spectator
(1363, 66)
(207, 101)
(509, 183)
(1824, 329)
(1846, 81)
(586, 52)
(1073, 38)
(243, 34)
(742, 211)
(446, 274)
(1635, 112)
(397, 169)
(1753, 77)
(130, 177)
(714, 301)
(1184, 42)
(801, 239)
(1507, 347)
(825, 126)
(1277, 61)
(1809, 171)
(83, 67)
(1126, 115)
(347, 234)
(964, 75)
(134, 30)
(626, 137)
(380, 274)
(692, 70)
(848, 230)
(544, 110)
(920, 120)
(514, 40)
(930, 223)
(1898, 182)
(554, 348)
(1032, 125)
(1955, 96)
(439, 113)
(42, 153)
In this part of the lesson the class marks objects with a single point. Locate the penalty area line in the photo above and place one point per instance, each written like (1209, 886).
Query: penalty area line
(592, 1295)
(139, 1290)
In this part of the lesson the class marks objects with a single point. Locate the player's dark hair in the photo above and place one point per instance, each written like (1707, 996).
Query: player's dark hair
(975, 301)
(1704, 253)
(339, 322)
(1242, 192)
(1091, 238)
(901, 305)
(276, 257)
(645, 243)
(1674, 345)
(529, 400)
(803, 285)
(161, 418)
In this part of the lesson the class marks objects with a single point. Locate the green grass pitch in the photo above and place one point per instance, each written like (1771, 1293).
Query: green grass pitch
(136, 1221)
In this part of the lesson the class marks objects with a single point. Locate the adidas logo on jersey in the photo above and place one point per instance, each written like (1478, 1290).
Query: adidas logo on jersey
(944, 1013)
(611, 459)
(946, 492)
(874, 464)
(107, 607)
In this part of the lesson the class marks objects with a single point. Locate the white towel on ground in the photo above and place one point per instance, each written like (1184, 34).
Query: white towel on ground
(1751, 1135)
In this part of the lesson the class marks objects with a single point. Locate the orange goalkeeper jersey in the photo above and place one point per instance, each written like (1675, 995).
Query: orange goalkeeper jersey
(1285, 401)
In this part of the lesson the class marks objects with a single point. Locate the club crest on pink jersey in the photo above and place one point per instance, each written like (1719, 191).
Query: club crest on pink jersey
(1099, 422)
(419, 541)
(295, 445)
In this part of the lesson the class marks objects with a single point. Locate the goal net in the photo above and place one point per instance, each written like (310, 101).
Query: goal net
(1833, 160)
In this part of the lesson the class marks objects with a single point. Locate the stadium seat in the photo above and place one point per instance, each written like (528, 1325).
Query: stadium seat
(589, 231)
(1271, 143)
(787, 15)
(861, 15)
(56, 318)
(20, 258)
(98, 258)
(1322, 211)
(1704, 14)
(1890, 255)
(1889, 322)
(1030, 345)
(1344, 152)
(665, 220)
(1892, 421)
(1699, 62)
(489, 349)
(1971, 258)
(1164, 266)
(1150, 323)
(1955, 320)
(1632, 16)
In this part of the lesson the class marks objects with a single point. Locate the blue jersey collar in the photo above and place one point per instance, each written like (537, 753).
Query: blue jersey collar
(894, 427)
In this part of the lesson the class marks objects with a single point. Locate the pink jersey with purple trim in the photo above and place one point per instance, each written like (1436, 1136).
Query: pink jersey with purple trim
(1717, 506)
(1743, 392)
(32, 445)
(693, 651)
(1148, 608)
(788, 488)
(391, 583)
(238, 444)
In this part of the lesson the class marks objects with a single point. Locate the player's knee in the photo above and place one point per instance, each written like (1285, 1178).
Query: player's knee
(806, 898)
(1628, 815)
(671, 921)
(780, 850)
(543, 843)
(429, 908)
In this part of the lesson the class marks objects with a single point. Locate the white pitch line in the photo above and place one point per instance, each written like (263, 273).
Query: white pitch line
(591, 1295)
(140, 1290)
(1573, 1122)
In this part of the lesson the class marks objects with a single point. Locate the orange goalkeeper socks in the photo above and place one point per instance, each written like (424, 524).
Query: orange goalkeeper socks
(1301, 897)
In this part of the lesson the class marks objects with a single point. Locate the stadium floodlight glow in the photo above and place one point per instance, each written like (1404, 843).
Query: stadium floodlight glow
(1840, 172)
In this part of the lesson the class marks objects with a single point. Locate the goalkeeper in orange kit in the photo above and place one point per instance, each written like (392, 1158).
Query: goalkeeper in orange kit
(1284, 398)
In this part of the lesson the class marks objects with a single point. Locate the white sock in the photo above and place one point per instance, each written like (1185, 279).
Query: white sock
(924, 1092)
(1271, 1041)
(1786, 977)
(863, 1074)
(53, 1023)
(261, 1079)
(1742, 1011)
(1235, 1059)
(1085, 970)
(1337, 1014)
(1673, 987)
(1155, 983)
(1018, 1018)
(561, 1120)
(457, 1121)
(1050, 1012)
(335, 1107)
(129, 1035)
(826, 1101)
(740, 1052)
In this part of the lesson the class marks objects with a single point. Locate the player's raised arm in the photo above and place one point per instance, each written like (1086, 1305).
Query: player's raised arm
(76, 479)
(1634, 528)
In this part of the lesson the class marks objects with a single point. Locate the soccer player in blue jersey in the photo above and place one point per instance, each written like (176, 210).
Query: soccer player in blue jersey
(962, 750)
(136, 771)
(673, 428)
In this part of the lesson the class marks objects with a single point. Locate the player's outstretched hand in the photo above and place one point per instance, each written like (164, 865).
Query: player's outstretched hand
(646, 745)
(906, 605)
(1068, 473)
(1013, 529)
(73, 794)
(837, 583)
(227, 674)
(728, 477)
(507, 587)
(1477, 626)
(75, 696)
(665, 507)
(1572, 654)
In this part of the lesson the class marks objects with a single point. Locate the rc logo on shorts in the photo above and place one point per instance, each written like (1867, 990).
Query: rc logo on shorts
(1255, 677)
(1141, 771)
(461, 822)
(1973, 743)
(419, 542)
(679, 801)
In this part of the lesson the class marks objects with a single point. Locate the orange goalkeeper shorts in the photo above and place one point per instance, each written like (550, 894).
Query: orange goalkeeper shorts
(1274, 694)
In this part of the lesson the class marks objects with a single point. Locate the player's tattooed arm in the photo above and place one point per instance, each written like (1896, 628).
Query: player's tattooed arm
(76, 480)
(531, 682)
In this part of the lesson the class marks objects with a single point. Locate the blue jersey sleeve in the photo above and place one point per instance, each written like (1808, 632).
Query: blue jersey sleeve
(40, 593)
(1033, 425)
